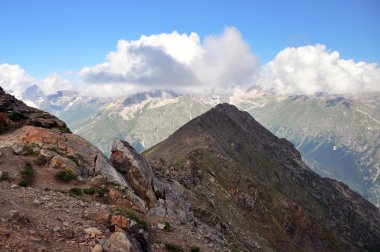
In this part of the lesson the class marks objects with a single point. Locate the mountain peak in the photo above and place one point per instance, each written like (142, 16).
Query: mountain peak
(228, 157)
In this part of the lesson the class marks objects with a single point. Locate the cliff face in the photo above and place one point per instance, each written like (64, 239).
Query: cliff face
(254, 187)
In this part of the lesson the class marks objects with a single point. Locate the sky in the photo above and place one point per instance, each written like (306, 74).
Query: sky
(66, 43)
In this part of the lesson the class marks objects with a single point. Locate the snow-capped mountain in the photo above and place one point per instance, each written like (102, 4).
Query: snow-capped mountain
(339, 136)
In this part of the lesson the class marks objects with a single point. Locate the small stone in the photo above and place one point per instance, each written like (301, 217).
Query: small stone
(59, 218)
(161, 226)
(19, 150)
(69, 233)
(93, 231)
(132, 223)
(97, 248)
(66, 224)
(45, 198)
(14, 186)
(37, 202)
(56, 229)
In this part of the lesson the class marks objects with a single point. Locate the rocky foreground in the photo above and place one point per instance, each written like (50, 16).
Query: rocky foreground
(220, 183)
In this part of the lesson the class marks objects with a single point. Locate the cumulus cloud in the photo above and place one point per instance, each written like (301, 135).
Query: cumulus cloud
(14, 79)
(186, 64)
(55, 82)
(312, 69)
(177, 61)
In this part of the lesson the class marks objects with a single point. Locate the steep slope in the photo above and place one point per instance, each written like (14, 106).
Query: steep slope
(255, 189)
(60, 193)
(339, 136)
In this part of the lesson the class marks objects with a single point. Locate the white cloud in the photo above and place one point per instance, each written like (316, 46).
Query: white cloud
(311, 69)
(186, 64)
(14, 79)
(54, 82)
(176, 61)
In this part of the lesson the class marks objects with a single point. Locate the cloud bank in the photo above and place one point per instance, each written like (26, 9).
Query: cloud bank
(184, 63)
(312, 69)
(14, 80)
(176, 61)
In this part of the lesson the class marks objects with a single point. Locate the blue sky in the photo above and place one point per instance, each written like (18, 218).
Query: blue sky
(56, 36)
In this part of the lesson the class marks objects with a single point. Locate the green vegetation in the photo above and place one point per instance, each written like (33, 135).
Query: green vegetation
(95, 190)
(168, 227)
(66, 175)
(234, 248)
(76, 192)
(130, 213)
(28, 150)
(5, 176)
(65, 129)
(173, 247)
(27, 175)
(41, 160)
(195, 249)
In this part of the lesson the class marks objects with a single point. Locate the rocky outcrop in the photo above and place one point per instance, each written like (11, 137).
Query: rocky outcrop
(14, 114)
(135, 169)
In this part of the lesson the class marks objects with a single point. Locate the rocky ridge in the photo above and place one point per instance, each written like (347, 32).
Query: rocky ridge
(61, 193)
(220, 183)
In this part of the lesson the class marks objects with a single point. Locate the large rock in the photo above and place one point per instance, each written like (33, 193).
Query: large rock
(135, 169)
(119, 242)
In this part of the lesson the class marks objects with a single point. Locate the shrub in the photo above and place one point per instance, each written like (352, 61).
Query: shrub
(41, 160)
(26, 175)
(66, 175)
(89, 191)
(76, 192)
(95, 189)
(234, 248)
(173, 247)
(195, 249)
(65, 129)
(27, 150)
(5, 176)
(168, 227)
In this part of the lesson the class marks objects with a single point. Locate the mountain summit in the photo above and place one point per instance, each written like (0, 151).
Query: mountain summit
(254, 187)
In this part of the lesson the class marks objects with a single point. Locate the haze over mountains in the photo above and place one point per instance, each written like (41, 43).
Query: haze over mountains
(338, 135)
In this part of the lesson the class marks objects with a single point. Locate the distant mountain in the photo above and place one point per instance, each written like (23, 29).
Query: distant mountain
(339, 136)
(254, 187)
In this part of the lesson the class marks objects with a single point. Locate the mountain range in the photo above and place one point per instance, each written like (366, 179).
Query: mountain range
(221, 182)
(338, 135)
